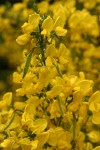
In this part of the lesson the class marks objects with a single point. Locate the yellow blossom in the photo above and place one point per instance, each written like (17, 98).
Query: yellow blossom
(97, 148)
(56, 106)
(85, 86)
(34, 144)
(55, 91)
(42, 139)
(6, 101)
(23, 39)
(60, 31)
(10, 143)
(94, 136)
(18, 7)
(49, 25)
(61, 139)
(54, 110)
(32, 23)
(43, 7)
(25, 144)
(38, 126)
(52, 140)
(51, 51)
(96, 117)
(17, 78)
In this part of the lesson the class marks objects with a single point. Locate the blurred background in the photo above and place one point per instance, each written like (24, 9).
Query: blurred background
(10, 52)
(11, 1)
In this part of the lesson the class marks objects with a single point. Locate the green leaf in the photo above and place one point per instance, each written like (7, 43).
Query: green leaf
(58, 70)
(74, 126)
(10, 121)
(60, 107)
(35, 7)
(27, 63)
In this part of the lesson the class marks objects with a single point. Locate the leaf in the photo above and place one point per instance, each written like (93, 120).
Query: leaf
(10, 121)
(27, 63)
(74, 126)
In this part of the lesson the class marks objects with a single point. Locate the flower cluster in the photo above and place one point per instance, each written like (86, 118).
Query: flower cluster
(79, 17)
(52, 109)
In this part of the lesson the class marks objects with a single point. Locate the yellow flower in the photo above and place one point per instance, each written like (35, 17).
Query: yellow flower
(44, 76)
(85, 86)
(18, 6)
(43, 7)
(77, 100)
(38, 126)
(32, 23)
(94, 136)
(94, 106)
(52, 140)
(95, 97)
(23, 39)
(96, 117)
(62, 138)
(51, 51)
(25, 143)
(97, 148)
(42, 139)
(55, 91)
(48, 62)
(63, 54)
(9, 143)
(94, 102)
(6, 101)
(88, 146)
(60, 31)
(28, 27)
(60, 10)
(7, 98)
(54, 110)
(80, 140)
(29, 112)
(49, 25)
(83, 110)
(17, 78)
(19, 105)
(78, 23)
(34, 144)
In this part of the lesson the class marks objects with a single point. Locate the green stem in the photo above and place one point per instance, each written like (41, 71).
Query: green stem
(35, 7)
(85, 123)
(74, 126)
(58, 70)
(10, 122)
(42, 49)
(27, 63)
(41, 42)
(60, 107)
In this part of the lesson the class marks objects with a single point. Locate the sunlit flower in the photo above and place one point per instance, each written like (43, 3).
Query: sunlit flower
(57, 26)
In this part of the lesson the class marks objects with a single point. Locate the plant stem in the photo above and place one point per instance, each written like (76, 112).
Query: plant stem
(10, 122)
(74, 126)
(41, 42)
(58, 70)
(60, 107)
